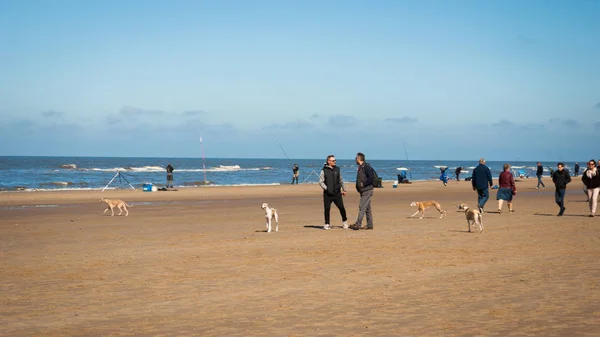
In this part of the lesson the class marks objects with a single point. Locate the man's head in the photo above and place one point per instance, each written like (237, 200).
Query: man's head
(591, 164)
(331, 160)
(560, 166)
(295, 165)
(482, 161)
(538, 163)
(360, 158)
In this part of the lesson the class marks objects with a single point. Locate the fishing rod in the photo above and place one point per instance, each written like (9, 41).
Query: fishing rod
(283, 150)
(406, 153)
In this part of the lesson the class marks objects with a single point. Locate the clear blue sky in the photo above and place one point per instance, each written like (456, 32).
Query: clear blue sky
(453, 79)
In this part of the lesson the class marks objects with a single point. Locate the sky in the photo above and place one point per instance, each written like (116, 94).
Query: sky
(448, 80)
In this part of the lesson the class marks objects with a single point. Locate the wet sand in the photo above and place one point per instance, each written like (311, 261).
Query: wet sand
(197, 262)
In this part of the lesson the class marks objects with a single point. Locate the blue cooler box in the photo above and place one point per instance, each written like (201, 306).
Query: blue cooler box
(147, 187)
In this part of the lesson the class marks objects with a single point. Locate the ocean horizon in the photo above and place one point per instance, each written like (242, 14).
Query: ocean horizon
(46, 173)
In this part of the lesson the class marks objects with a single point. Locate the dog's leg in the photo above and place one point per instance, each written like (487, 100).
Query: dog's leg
(269, 225)
(417, 212)
(276, 222)
(126, 211)
(112, 211)
(422, 213)
(107, 208)
(120, 210)
(469, 224)
(480, 223)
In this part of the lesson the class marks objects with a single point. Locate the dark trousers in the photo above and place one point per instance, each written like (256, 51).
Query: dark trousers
(540, 182)
(339, 203)
(457, 176)
(482, 196)
(170, 180)
(559, 197)
(295, 179)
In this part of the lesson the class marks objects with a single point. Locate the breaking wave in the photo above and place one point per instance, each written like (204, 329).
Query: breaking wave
(68, 166)
(220, 168)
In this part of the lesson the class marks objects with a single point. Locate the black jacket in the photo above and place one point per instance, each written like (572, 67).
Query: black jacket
(482, 177)
(593, 182)
(561, 179)
(331, 181)
(540, 171)
(170, 170)
(576, 168)
(364, 178)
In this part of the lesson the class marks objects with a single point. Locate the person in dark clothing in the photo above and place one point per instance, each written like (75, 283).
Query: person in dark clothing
(333, 187)
(560, 178)
(457, 173)
(170, 170)
(296, 174)
(539, 173)
(364, 186)
(576, 169)
(443, 175)
(591, 181)
(481, 179)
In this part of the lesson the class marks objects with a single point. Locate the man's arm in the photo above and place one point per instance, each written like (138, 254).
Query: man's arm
(489, 177)
(342, 182)
(369, 176)
(568, 178)
(322, 180)
(473, 176)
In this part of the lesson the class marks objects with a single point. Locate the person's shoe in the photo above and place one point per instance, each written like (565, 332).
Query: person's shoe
(354, 227)
(327, 227)
(537, 188)
(562, 211)
(499, 211)
(345, 225)
(480, 209)
(366, 228)
(591, 215)
(511, 211)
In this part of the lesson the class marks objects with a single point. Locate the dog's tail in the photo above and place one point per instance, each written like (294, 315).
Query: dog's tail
(128, 205)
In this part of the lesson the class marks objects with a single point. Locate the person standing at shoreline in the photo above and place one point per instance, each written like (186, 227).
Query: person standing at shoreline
(591, 180)
(576, 169)
(560, 178)
(295, 171)
(364, 186)
(457, 173)
(333, 187)
(480, 179)
(539, 173)
(170, 170)
(506, 188)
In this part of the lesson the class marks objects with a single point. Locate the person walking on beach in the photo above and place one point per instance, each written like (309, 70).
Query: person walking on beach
(364, 186)
(457, 173)
(539, 173)
(560, 178)
(443, 175)
(507, 189)
(481, 179)
(295, 175)
(576, 169)
(170, 170)
(333, 187)
(591, 180)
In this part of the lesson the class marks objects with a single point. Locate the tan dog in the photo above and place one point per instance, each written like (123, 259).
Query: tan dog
(423, 205)
(473, 216)
(270, 214)
(120, 204)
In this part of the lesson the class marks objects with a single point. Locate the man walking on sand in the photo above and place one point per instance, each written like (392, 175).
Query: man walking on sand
(364, 186)
(333, 187)
(480, 179)
(539, 173)
(560, 178)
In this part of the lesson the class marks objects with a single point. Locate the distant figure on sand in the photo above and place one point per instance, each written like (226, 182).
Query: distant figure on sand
(364, 185)
(507, 189)
(333, 187)
(481, 179)
(444, 176)
(539, 173)
(576, 169)
(457, 173)
(296, 174)
(591, 180)
(170, 170)
(560, 178)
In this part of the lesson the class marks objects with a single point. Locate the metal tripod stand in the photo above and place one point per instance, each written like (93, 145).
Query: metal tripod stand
(121, 178)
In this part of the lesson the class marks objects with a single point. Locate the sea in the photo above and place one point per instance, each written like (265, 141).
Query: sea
(96, 173)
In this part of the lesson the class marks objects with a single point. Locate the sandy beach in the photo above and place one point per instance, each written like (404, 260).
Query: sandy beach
(197, 262)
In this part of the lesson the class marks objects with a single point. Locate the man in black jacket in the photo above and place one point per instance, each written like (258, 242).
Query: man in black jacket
(333, 187)
(480, 179)
(560, 178)
(364, 186)
(539, 173)
(170, 176)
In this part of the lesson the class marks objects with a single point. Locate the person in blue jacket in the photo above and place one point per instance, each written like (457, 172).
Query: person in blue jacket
(482, 181)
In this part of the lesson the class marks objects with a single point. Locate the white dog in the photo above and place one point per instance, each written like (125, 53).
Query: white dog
(270, 214)
(473, 216)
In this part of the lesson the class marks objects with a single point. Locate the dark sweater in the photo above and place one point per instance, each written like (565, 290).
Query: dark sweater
(482, 177)
(364, 178)
(593, 182)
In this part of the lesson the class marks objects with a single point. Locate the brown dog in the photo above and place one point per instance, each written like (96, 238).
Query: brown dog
(423, 205)
(473, 216)
(120, 204)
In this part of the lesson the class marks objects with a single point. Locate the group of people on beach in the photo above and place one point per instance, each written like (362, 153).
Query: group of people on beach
(482, 181)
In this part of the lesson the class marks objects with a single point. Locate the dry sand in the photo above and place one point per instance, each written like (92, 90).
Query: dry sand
(197, 262)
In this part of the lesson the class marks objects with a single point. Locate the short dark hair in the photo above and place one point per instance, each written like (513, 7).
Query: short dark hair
(361, 156)
(560, 164)
(330, 157)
